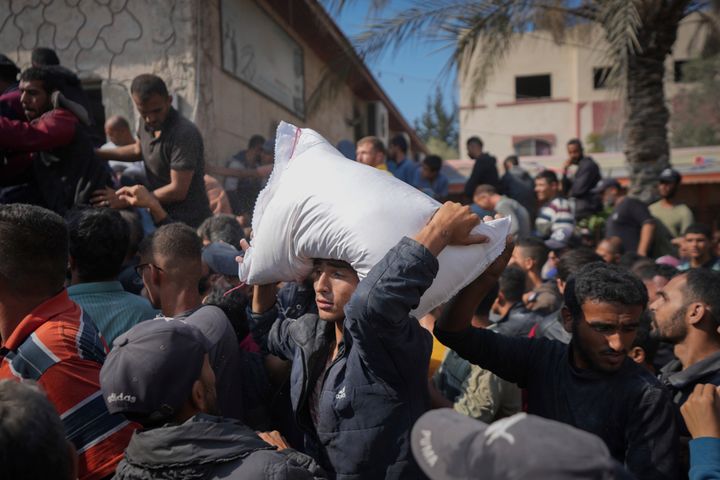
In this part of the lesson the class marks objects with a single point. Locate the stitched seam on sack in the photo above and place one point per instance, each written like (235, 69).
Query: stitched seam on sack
(298, 132)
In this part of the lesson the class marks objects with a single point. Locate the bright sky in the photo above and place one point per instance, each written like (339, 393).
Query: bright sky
(412, 74)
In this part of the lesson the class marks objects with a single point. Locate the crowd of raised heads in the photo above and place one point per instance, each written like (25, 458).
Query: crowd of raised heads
(131, 349)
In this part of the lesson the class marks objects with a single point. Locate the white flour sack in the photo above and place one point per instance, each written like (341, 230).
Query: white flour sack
(319, 204)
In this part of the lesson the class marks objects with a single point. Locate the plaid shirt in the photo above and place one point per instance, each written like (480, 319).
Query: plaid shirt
(58, 346)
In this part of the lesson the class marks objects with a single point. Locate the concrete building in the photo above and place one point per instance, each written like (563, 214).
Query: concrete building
(544, 93)
(235, 67)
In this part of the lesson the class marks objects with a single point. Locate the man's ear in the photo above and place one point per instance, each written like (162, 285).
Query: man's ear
(72, 264)
(197, 396)
(560, 285)
(696, 312)
(637, 354)
(529, 264)
(567, 319)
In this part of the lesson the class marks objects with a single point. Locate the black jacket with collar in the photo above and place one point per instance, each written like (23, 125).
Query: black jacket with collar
(207, 447)
(628, 409)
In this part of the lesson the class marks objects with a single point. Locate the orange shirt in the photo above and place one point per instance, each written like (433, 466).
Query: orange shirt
(58, 346)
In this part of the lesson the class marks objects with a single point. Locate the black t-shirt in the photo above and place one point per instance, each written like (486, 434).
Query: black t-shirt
(179, 147)
(625, 222)
(628, 409)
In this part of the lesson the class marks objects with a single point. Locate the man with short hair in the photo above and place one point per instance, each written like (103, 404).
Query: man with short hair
(555, 211)
(118, 134)
(243, 180)
(44, 57)
(32, 438)
(182, 435)
(685, 314)
(487, 198)
(591, 383)
(221, 228)
(98, 243)
(398, 162)
(697, 241)
(62, 170)
(653, 276)
(510, 315)
(171, 269)
(517, 183)
(172, 149)
(371, 151)
(430, 180)
(530, 255)
(579, 189)
(610, 250)
(68, 82)
(360, 366)
(484, 170)
(49, 339)
(630, 219)
(676, 216)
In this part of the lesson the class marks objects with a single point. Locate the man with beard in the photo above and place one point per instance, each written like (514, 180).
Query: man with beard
(172, 149)
(590, 383)
(159, 375)
(685, 314)
(61, 171)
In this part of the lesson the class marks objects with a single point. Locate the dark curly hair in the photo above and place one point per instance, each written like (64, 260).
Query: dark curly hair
(604, 283)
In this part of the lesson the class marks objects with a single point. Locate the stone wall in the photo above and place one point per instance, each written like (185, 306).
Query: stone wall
(111, 41)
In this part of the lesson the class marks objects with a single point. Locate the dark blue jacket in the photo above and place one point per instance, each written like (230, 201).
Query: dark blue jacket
(705, 458)
(376, 388)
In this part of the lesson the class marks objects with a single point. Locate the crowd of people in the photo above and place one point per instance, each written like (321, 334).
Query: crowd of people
(590, 348)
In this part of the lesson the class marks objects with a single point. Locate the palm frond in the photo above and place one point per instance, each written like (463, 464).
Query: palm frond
(335, 7)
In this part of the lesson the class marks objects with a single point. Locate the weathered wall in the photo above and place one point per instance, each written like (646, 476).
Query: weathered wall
(115, 40)
(109, 40)
(233, 112)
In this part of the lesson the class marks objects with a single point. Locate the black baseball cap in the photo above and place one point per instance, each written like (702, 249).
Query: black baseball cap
(149, 373)
(670, 175)
(450, 446)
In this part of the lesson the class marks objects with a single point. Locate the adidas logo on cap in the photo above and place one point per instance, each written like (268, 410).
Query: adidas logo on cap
(121, 397)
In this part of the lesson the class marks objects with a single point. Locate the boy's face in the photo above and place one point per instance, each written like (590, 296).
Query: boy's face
(334, 284)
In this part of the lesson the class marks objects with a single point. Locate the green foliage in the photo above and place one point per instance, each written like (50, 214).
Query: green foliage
(593, 143)
(438, 124)
(442, 149)
(696, 111)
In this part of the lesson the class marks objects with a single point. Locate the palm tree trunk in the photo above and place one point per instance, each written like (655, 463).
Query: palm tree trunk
(647, 148)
